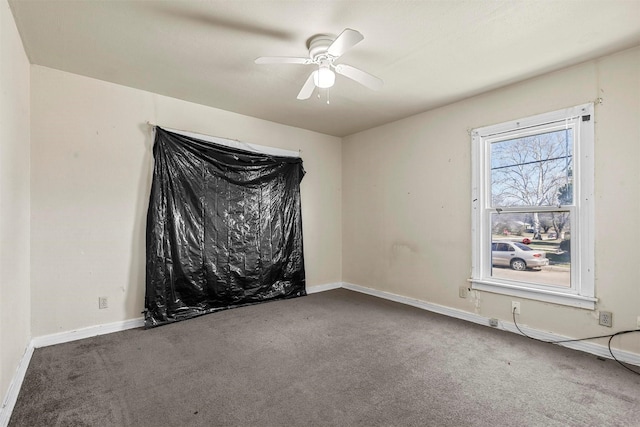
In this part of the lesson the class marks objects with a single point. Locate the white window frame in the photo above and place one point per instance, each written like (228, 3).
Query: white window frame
(582, 290)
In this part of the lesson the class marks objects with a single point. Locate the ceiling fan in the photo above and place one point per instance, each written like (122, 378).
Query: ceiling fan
(323, 51)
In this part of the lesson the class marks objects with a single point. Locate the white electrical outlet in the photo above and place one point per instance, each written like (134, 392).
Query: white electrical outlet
(103, 303)
(515, 307)
(638, 324)
(606, 318)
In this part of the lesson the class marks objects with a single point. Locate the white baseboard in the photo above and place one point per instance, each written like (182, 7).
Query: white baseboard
(91, 331)
(585, 346)
(15, 385)
(321, 288)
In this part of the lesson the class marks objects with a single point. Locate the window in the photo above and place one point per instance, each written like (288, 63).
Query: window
(532, 207)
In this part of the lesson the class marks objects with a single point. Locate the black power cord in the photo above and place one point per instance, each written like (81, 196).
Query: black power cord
(610, 336)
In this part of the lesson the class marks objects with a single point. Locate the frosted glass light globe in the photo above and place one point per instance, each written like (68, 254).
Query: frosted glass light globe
(324, 77)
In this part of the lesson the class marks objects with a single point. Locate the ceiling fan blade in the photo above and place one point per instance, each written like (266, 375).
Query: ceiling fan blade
(365, 79)
(308, 87)
(282, 60)
(345, 41)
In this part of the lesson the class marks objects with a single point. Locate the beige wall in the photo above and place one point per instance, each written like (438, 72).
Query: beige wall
(407, 188)
(91, 174)
(15, 310)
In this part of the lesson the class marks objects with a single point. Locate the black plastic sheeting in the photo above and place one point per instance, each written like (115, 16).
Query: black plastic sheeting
(224, 229)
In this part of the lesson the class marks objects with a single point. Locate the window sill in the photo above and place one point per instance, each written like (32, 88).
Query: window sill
(588, 303)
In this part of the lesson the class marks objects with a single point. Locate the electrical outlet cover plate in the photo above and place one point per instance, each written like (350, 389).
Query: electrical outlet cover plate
(515, 305)
(102, 303)
(606, 318)
(463, 292)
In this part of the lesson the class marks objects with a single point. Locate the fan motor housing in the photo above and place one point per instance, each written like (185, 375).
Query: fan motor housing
(318, 46)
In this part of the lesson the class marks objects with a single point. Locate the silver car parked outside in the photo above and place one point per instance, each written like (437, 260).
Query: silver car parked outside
(517, 255)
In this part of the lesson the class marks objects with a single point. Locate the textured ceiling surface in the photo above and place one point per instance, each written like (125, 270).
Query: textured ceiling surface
(429, 53)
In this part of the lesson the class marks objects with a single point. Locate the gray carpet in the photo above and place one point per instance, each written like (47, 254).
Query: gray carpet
(335, 358)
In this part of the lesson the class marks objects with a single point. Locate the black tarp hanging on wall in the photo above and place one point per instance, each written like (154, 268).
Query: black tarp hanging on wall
(224, 229)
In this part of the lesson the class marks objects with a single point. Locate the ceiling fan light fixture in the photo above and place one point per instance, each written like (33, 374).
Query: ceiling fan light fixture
(324, 77)
(323, 51)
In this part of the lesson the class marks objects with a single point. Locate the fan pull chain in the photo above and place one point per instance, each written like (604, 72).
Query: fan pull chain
(326, 93)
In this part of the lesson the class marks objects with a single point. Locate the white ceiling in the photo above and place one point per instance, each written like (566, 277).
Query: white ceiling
(429, 53)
